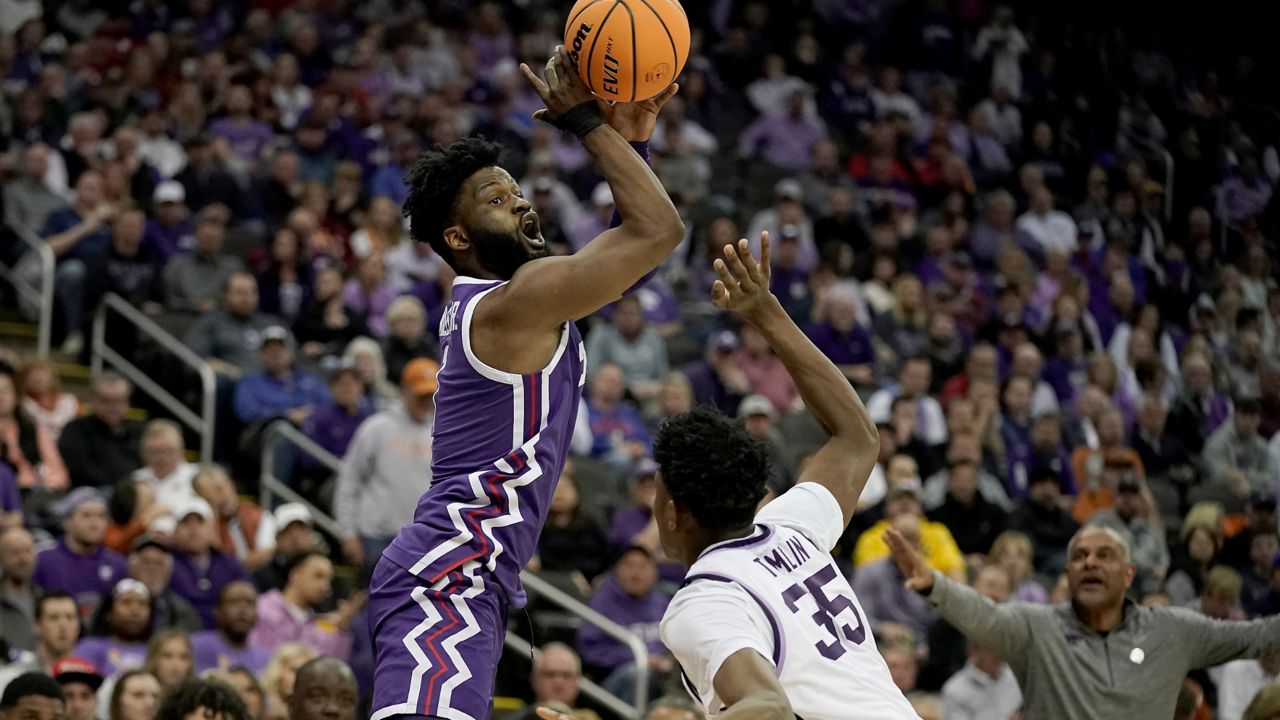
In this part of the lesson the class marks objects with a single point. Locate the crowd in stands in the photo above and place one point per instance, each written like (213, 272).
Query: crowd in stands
(1041, 249)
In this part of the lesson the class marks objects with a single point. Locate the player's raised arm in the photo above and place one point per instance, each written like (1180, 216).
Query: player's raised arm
(557, 289)
(843, 464)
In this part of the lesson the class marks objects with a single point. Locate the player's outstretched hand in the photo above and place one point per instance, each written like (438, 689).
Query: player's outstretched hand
(743, 286)
(560, 87)
(635, 121)
(919, 576)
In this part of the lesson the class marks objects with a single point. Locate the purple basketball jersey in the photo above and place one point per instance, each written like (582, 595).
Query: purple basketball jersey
(499, 444)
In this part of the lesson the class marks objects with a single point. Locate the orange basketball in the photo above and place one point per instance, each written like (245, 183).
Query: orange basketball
(627, 50)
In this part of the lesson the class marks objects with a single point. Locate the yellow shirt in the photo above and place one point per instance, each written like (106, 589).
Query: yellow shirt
(936, 544)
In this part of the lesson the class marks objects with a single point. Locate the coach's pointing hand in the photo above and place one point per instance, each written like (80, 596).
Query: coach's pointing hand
(919, 576)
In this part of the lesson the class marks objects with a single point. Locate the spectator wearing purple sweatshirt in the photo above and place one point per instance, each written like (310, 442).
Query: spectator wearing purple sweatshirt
(629, 598)
(78, 564)
(228, 645)
(333, 424)
(200, 570)
(120, 630)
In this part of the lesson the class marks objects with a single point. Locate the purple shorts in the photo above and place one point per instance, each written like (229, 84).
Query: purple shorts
(436, 648)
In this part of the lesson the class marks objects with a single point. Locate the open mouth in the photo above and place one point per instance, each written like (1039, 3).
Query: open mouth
(531, 229)
(1092, 582)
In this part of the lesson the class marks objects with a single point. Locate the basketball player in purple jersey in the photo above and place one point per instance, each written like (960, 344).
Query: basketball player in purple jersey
(510, 380)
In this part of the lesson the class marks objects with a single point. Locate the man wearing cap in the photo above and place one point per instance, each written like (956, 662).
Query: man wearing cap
(293, 537)
(935, 540)
(80, 681)
(716, 378)
(1238, 446)
(151, 563)
(169, 234)
(597, 220)
(200, 571)
(57, 629)
(1137, 518)
(759, 418)
(788, 209)
(381, 477)
(193, 281)
(78, 564)
(121, 629)
(280, 389)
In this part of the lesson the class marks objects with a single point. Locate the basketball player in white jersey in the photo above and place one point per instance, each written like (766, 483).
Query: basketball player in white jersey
(765, 626)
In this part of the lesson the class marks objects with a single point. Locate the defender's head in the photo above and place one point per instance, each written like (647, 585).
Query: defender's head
(711, 478)
(471, 211)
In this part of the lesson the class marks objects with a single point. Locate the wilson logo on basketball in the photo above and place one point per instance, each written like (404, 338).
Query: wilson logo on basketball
(578, 40)
(659, 72)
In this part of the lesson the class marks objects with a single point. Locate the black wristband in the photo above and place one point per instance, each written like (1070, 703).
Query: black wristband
(580, 120)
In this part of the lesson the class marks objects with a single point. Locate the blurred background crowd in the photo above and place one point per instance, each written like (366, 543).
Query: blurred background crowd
(1038, 240)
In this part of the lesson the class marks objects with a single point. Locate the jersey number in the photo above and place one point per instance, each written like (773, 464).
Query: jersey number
(828, 612)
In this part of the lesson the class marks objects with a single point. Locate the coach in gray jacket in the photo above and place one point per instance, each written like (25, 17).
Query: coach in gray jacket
(1099, 655)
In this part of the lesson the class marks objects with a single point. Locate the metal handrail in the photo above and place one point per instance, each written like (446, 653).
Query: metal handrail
(637, 647)
(1167, 158)
(203, 424)
(271, 486)
(43, 294)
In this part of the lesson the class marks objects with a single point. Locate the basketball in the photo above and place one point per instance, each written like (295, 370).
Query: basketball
(627, 50)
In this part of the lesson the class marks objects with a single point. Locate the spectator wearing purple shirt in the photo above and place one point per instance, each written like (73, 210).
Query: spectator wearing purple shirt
(369, 295)
(169, 231)
(635, 526)
(629, 598)
(1246, 193)
(200, 571)
(120, 631)
(785, 139)
(228, 645)
(245, 136)
(618, 431)
(716, 379)
(840, 338)
(333, 424)
(78, 564)
(1015, 433)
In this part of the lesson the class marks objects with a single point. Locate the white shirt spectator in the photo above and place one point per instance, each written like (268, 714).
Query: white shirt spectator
(972, 694)
(1051, 229)
(173, 489)
(931, 422)
(898, 102)
(1005, 121)
(1241, 680)
(163, 153)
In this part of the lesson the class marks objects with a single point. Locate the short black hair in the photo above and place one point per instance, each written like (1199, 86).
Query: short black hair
(299, 560)
(192, 694)
(434, 182)
(712, 467)
(28, 684)
(49, 596)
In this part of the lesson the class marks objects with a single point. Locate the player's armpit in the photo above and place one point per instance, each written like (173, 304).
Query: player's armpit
(747, 686)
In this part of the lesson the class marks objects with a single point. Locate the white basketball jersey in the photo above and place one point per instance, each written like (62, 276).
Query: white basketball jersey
(777, 591)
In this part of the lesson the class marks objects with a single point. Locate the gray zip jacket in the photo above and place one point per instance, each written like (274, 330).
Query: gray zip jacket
(1070, 672)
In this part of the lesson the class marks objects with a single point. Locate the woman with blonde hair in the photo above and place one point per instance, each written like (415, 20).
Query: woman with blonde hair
(1196, 554)
(406, 339)
(1012, 551)
(279, 676)
(170, 657)
(675, 397)
(366, 354)
(381, 231)
(43, 399)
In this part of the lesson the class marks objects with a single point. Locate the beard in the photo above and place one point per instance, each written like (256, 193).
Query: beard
(503, 253)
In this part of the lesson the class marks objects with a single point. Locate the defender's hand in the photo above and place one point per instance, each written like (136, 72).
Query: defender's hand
(745, 290)
(635, 121)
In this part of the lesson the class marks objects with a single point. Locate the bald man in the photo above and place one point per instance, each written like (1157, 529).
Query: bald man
(325, 689)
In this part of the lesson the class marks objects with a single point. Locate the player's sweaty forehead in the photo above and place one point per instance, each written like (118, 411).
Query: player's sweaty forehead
(485, 180)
